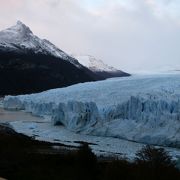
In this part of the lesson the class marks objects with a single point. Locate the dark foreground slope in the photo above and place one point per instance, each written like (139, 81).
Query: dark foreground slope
(30, 73)
(23, 158)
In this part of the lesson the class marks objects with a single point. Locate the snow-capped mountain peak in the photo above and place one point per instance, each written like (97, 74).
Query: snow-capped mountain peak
(94, 64)
(16, 32)
(20, 39)
(21, 27)
(99, 67)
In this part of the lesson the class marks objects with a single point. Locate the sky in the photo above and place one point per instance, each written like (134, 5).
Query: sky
(132, 35)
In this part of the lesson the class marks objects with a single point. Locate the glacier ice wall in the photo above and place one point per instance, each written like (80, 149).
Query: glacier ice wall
(76, 116)
(143, 119)
(148, 116)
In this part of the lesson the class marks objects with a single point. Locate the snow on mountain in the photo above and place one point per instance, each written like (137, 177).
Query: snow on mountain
(99, 67)
(26, 58)
(94, 64)
(138, 108)
(20, 38)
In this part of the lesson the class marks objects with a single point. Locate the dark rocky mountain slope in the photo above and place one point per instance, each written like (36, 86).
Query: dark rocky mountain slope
(29, 64)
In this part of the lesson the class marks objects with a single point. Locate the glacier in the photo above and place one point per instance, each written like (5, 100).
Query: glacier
(141, 108)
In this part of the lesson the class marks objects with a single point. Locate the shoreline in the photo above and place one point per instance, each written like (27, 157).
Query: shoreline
(45, 147)
(6, 129)
(25, 158)
(42, 130)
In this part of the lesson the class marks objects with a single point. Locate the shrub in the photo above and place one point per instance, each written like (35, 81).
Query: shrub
(154, 157)
(155, 164)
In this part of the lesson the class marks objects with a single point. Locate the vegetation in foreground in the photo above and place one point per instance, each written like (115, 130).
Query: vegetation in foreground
(23, 158)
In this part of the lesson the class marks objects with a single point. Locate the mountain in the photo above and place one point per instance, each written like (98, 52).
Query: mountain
(29, 64)
(99, 67)
(20, 39)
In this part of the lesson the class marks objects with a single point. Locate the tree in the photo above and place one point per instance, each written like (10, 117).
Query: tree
(154, 157)
(86, 163)
(86, 156)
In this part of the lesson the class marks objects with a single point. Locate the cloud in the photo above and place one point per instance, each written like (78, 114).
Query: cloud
(128, 34)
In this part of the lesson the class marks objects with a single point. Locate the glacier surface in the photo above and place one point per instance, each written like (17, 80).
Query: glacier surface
(141, 108)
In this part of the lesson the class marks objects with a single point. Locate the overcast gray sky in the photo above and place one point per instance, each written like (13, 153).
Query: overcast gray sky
(128, 34)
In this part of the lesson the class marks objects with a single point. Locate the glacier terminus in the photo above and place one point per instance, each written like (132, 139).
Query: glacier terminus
(140, 108)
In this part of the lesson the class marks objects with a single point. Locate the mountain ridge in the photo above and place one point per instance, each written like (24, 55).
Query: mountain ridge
(19, 38)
